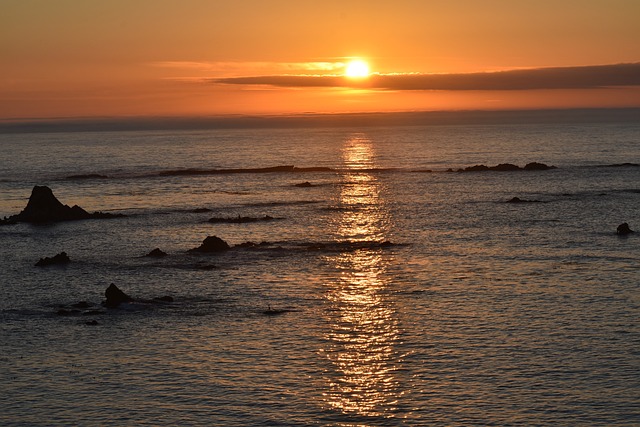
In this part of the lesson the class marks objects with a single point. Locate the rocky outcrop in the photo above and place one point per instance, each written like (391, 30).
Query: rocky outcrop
(623, 229)
(156, 253)
(44, 207)
(60, 259)
(114, 297)
(212, 244)
(507, 167)
(305, 184)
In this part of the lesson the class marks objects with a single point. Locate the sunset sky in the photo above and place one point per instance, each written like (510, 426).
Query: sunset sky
(79, 58)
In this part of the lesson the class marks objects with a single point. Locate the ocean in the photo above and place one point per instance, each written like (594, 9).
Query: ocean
(369, 282)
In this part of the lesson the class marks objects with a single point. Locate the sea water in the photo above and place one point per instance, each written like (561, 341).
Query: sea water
(393, 290)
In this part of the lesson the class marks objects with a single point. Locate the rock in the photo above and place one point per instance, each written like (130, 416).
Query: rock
(476, 168)
(59, 259)
(44, 207)
(519, 200)
(624, 229)
(156, 253)
(115, 296)
(239, 219)
(305, 184)
(505, 167)
(535, 166)
(212, 244)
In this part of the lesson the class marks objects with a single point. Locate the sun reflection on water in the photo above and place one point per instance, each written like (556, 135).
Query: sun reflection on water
(363, 324)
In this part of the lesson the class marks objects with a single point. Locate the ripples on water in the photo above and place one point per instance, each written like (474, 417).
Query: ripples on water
(482, 313)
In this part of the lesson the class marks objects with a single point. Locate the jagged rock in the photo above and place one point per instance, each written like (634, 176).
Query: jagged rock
(212, 244)
(59, 259)
(115, 296)
(156, 253)
(305, 184)
(624, 229)
(44, 207)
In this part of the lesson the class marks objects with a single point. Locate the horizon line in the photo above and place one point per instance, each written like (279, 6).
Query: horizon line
(317, 119)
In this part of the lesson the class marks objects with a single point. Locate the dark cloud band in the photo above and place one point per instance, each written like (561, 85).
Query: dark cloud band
(587, 77)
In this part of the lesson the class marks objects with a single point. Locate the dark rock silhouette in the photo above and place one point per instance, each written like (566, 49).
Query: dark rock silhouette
(624, 229)
(519, 200)
(250, 244)
(305, 184)
(212, 244)
(239, 219)
(535, 166)
(60, 259)
(115, 296)
(44, 207)
(507, 167)
(156, 253)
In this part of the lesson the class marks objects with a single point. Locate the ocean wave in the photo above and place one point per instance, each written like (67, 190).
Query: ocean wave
(272, 169)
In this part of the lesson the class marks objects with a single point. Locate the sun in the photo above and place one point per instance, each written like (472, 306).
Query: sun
(357, 69)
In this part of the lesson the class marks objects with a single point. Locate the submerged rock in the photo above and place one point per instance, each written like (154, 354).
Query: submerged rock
(115, 296)
(624, 229)
(305, 184)
(44, 207)
(156, 253)
(59, 259)
(239, 219)
(519, 200)
(212, 244)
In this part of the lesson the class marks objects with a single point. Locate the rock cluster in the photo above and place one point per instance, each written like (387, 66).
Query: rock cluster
(59, 259)
(44, 207)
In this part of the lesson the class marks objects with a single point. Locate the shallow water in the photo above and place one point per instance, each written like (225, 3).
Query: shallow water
(480, 312)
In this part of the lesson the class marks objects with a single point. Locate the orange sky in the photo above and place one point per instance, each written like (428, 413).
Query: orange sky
(76, 58)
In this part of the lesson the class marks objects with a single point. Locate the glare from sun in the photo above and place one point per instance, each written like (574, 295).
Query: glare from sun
(357, 69)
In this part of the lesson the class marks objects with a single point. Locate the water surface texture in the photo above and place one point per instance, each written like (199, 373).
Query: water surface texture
(388, 290)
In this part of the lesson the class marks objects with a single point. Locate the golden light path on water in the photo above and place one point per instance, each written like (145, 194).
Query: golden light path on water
(363, 325)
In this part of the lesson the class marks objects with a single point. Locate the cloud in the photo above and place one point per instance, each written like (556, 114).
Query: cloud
(585, 77)
(243, 67)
